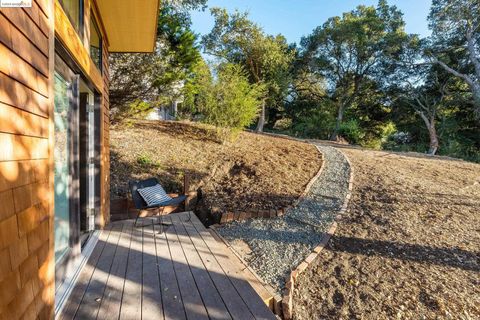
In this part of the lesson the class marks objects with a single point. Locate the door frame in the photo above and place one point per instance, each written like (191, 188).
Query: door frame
(65, 265)
(62, 291)
(89, 159)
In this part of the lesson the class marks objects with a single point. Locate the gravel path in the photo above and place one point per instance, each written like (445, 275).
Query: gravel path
(279, 244)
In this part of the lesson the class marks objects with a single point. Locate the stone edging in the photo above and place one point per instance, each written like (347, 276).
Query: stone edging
(283, 305)
(287, 300)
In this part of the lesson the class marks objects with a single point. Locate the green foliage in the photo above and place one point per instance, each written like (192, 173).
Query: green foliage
(317, 124)
(230, 103)
(378, 137)
(283, 124)
(145, 160)
(196, 86)
(351, 131)
(455, 42)
(266, 59)
(156, 77)
(362, 46)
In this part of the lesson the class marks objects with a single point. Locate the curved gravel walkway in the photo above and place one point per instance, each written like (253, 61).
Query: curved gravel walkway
(279, 244)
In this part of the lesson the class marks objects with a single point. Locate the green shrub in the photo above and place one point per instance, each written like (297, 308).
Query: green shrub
(283, 124)
(318, 124)
(464, 149)
(231, 103)
(379, 135)
(145, 160)
(351, 131)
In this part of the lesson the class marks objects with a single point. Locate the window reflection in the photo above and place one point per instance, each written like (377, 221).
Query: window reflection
(95, 43)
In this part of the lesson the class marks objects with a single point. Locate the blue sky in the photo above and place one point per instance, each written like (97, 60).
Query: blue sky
(296, 18)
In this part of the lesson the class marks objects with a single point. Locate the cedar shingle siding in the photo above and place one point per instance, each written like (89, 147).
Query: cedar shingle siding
(26, 258)
(26, 156)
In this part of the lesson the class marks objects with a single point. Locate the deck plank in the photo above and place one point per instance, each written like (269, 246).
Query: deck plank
(75, 298)
(152, 307)
(171, 297)
(234, 302)
(96, 287)
(192, 300)
(110, 306)
(235, 273)
(158, 272)
(211, 298)
(131, 305)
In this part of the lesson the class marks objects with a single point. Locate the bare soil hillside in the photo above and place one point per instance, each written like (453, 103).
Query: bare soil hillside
(409, 247)
(254, 172)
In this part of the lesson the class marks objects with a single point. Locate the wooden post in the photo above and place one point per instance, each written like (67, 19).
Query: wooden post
(186, 190)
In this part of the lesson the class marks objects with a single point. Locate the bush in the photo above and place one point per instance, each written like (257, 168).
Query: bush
(230, 103)
(352, 132)
(318, 124)
(146, 161)
(398, 141)
(464, 149)
(378, 136)
(283, 124)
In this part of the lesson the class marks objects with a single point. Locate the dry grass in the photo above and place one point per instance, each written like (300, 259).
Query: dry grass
(407, 249)
(254, 172)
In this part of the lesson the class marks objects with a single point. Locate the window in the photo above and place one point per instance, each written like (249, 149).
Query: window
(74, 11)
(95, 43)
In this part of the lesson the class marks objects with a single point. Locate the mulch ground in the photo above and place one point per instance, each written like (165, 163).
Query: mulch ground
(254, 172)
(407, 249)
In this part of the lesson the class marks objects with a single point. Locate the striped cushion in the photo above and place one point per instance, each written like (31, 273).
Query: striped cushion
(154, 195)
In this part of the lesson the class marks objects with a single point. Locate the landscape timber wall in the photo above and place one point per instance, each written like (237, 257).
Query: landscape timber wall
(26, 181)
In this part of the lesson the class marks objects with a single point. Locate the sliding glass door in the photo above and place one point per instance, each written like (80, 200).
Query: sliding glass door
(66, 169)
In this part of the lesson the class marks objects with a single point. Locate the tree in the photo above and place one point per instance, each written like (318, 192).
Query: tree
(455, 29)
(196, 87)
(152, 77)
(230, 103)
(363, 45)
(236, 39)
(427, 101)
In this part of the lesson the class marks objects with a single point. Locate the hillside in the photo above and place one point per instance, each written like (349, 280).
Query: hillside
(406, 249)
(255, 172)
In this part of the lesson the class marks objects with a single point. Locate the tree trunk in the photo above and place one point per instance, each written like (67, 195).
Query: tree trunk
(432, 132)
(476, 102)
(433, 140)
(174, 109)
(261, 119)
(341, 111)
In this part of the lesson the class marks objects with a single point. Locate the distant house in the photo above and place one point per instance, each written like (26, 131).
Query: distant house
(168, 112)
(164, 113)
(54, 139)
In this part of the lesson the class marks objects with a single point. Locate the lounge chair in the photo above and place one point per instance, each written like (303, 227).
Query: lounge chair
(140, 204)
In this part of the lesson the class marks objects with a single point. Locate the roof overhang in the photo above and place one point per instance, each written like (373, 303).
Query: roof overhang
(131, 26)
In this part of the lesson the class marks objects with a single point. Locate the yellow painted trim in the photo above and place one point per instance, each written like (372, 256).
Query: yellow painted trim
(131, 26)
(68, 36)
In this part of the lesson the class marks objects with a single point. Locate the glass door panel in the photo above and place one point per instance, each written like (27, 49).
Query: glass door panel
(65, 153)
(62, 167)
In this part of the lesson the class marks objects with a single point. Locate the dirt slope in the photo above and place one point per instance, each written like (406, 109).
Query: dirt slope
(254, 172)
(408, 249)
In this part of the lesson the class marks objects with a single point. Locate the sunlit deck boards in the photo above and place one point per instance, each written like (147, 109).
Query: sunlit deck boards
(180, 273)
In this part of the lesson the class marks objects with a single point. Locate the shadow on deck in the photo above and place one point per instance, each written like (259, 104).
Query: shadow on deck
(163, 272)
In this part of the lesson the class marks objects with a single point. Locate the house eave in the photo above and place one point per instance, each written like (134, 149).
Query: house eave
(131, 26)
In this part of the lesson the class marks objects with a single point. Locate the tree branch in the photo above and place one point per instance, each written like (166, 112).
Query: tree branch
(455, 72)
(472, 52)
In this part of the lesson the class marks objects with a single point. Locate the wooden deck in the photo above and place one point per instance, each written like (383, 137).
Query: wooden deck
(180, 273)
